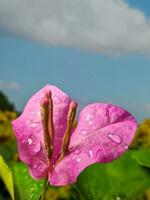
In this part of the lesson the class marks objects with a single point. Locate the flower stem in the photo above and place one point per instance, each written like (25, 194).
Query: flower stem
(44, 189)
(48, 128)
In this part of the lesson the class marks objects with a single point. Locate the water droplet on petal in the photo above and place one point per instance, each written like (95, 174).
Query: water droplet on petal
(83, 132)
(103, 156)
(90, 118)
(71, 172)
(28, 122)
(39, 168)
(63, 175)
(56, 100)
(88, 140)
(77, 152)
(106, 113)
(38, 113)
(32, 112)
(78, 159)
(115, 138)
(98, 155)
(125, 146)
(33, 125)
(90, 153)
(90, 122)
(115, 117)
(29, 141)
(34, 146)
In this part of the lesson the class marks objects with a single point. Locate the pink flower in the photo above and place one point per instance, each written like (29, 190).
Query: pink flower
(49, 145)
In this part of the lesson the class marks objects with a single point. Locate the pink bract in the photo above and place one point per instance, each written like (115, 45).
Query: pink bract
(103, 133)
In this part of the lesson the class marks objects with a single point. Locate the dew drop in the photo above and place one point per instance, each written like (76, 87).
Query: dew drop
(33, 125)
(34, 166)
(115, 138)
(78, 159)
(106, 113)
(38, 113)
(83, 132)
(102, 156)
(28, 122)
(39, 167)
(34, 146)
(90, 122)
(71, 172)
(98, 155)
(90, 153)
(32, 112)
(125, 146)
(114, 117)
(89, 117)
(62, 175)
(77, 152)
(56, 100)
(29, 141)
(88, 140)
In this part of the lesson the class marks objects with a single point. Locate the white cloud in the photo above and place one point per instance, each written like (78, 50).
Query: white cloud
(13, 85)
(106, 26)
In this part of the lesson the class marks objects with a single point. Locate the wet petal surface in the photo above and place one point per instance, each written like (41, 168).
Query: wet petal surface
(29, 130)
(103, 133)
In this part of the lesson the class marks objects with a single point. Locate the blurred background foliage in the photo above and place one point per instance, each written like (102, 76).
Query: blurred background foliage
(126, 178)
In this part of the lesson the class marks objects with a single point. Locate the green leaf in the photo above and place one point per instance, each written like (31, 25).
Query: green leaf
(122, 179)
(8, 149)
(6, 176)
(26, 188)
(142, 156)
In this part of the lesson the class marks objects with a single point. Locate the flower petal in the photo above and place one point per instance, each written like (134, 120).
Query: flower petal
(29, 131)
(103, 133)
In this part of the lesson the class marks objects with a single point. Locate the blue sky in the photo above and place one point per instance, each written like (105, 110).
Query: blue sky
(140, 4)
(87, 75)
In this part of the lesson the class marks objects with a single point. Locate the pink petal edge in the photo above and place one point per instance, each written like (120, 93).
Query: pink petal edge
(29, 131)
(103, 133)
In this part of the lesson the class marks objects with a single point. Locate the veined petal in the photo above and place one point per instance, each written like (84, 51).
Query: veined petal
(103, 133)
(29, 130)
